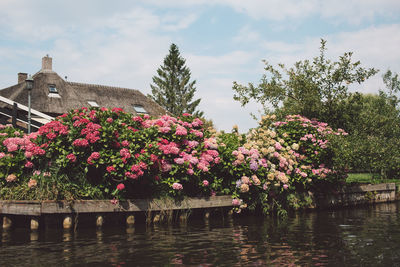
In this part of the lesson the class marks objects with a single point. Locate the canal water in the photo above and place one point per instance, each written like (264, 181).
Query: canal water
(364, 236)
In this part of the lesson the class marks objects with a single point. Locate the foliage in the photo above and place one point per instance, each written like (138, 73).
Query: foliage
(224, 172)
(392, 82)
(172, 88)
(314, 89)
(11, 158)
(362, 177)
(369, 178)
(374, 139)
(101, 153)
(280, 162)
(128, 156)
(50, 186)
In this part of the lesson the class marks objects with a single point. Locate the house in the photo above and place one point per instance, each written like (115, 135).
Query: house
(54, 95)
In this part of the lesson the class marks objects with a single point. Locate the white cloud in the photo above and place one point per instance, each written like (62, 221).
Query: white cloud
(122, 44)
(357, 11)
(281, 47)
(350, 11)
(217, 103)
(226, 64)
(247, 35)
(273, 9)
(337, 11)
(375, 46)
(175, 23)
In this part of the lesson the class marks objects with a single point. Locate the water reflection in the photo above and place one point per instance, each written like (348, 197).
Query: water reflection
(352, 237)
(34, 236)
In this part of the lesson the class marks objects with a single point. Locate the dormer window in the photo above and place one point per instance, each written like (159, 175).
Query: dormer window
(52, 89)
(139, 109)
(93, 103)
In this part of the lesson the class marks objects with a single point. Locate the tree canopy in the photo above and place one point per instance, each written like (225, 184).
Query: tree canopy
(172, 88)
(314, 89)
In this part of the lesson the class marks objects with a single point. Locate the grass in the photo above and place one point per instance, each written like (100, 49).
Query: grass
(369, 178)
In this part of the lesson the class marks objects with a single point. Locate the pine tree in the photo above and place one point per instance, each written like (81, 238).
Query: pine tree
(172, 88)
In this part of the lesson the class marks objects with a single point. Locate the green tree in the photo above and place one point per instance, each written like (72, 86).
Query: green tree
(172, 88)
(314, 89)
(374, 140)
(392, 82)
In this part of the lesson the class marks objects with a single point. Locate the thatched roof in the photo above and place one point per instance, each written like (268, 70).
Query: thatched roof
(70, 95)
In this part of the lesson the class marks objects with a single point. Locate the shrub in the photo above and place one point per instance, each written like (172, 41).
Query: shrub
(101, 153)
(12, 154)
(282, 160)
(150, 157)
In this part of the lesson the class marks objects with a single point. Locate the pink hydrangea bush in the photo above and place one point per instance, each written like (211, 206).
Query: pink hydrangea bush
(311, 139)
(147, 155)
(19, 176)
(16, 151)
(107, 153)
(279, 161)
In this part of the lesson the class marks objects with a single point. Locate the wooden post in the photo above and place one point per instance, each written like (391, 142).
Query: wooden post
(183, 216)
(130, 220)
(67, 223)
(34, 223)
(207, 214)
(7, 222)
(34, 236)
(230, 212)
(156, 218)
(230, 217)
(67, 236)
(99, 220)
(130, 230)
(99, 235)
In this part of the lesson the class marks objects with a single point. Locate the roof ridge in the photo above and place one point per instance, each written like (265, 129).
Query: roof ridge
(99, 85)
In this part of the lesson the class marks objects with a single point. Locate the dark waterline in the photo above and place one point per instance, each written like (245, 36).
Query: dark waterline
(367, 236)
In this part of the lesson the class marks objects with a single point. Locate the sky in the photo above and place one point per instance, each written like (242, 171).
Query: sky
(122, 43)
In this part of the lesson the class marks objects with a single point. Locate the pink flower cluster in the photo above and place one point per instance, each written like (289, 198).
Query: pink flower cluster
(321, 127)
(211, 143)
(91, 132)
(166, 123)
(52, 129)
(110, 169)
(252, 157)
(133, 146)
(93, 157)
(321, 171)
(125, 154)
(71, 157)
(14, 143)
(236, 202)
(168, 147)
(3, 126)
(180, 130)
(177, 186)
(80, 143)
(24, 143)
(137, 170)
(120, 186)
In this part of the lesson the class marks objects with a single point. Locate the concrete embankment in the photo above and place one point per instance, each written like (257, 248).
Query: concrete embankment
(358, 195)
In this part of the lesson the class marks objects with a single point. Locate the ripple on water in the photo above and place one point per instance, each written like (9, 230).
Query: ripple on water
(367, 236)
